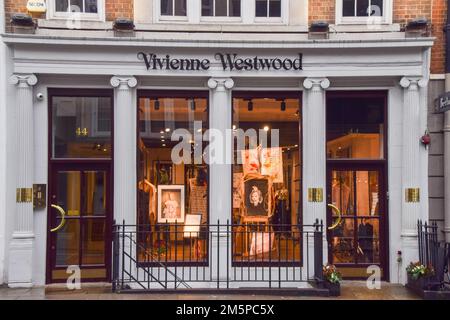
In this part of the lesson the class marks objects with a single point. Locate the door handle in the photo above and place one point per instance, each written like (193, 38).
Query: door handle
(63, 218)
(339, 219)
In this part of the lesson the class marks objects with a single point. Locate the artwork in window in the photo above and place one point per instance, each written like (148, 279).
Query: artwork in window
(257, 197)
(362, 8)
(173, 8)
(170, 204)
(268, 8)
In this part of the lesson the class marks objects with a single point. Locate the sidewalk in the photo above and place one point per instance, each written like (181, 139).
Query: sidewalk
(350, 290)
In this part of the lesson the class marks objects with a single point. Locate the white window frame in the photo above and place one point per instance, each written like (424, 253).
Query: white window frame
(227, 18)
(273, 20)
(99, 16)
(386, 18)
(166, 18)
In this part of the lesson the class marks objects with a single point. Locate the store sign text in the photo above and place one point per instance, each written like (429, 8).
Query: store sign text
(443, 103)
(228, 61)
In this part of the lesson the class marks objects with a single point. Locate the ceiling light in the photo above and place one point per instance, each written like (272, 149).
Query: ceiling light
(283, 105)
(157, 104)
(192, 104)
(250, 105)
(167, 129)
(266, 128)
(163, 144)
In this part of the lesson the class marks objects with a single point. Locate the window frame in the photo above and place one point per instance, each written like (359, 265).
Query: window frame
(386, 18)
(53, 14)
(226, 18)
(268, 19)
(162, 18)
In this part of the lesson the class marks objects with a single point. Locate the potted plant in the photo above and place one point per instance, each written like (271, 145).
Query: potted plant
(332, 279)
(160, 249)
(419, 276)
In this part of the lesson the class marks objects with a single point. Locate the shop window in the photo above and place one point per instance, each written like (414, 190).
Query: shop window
(173, 208)
(173, 8)
(364, 11)
(266, 199)
(81, 127)
(268, 8)
(84, 9)
(221, 8)
(355, 127)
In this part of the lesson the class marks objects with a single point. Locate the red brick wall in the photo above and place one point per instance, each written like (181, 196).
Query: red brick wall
(439, 17)
(321, 10)
(119, 9)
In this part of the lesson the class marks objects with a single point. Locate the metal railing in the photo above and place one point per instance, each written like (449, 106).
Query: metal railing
(217, 256)
(434, 253)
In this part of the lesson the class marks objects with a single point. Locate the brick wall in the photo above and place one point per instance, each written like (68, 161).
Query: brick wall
(439, 17)
(321, 10)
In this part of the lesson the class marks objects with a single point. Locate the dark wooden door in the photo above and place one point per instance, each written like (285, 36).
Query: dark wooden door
(82, 193)
(360, 239)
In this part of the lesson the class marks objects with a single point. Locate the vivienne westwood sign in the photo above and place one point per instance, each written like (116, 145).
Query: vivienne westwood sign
(228, 61)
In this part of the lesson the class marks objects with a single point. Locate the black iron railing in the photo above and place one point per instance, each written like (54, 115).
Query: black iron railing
(433, 252)
(216, 256)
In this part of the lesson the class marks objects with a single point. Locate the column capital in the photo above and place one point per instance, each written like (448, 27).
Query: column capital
(23, 79)
(221, 84)
(122, 81)
(413, 83)
(319, 83)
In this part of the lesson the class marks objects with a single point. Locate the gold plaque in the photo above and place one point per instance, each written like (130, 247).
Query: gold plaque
(315, 194)
(412, 195)
(24, 195)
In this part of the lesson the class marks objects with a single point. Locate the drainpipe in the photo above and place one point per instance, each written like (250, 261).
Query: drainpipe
(447, 132)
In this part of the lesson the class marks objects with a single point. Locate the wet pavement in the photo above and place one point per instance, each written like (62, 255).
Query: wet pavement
(350, 290)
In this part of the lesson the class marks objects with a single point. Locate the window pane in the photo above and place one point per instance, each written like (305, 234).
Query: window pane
(266, 169)
(81, 127)
(93, 242)
(368, 240)
(362, 7)
(207, 8)
(348, 8)
(76, 6)
(221, 8)
(172, 188)
(235, 8)
(90, 6)
(275, 8)
(61, 5)
(355, 127)
(376, 8)
(68, 243)
(261, 8)
(180, 8)
(166, 7)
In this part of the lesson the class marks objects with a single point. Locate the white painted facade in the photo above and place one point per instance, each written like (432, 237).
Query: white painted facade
(95, 59)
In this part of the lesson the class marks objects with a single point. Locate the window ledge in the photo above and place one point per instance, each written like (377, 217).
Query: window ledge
(218, 27)
(363, 27)
(83, 24)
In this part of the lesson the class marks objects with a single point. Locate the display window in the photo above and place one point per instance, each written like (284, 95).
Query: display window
(266, 199)
(173, 187)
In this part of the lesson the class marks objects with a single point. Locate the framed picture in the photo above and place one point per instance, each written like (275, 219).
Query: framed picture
(170, 204)
(164, 172)
(257, 198)
(192, 225)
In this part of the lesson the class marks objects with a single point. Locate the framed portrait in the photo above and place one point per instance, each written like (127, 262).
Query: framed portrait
(257, 198)
(163, 172)
(171, 204)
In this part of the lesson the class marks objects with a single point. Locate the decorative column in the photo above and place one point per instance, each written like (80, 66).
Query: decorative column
(411, 166)
(314, 159)
(124, 149)
(220, 111)
(21, 245)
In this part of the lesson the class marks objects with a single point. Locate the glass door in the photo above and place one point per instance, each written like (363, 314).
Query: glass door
(356, 215)
(79, 222)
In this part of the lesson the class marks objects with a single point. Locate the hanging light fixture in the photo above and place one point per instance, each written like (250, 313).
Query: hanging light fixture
(250, 105)
(192, 104)
(283, 105)
(157, 104)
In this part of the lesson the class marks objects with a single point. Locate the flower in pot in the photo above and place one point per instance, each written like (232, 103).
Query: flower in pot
(332, 279)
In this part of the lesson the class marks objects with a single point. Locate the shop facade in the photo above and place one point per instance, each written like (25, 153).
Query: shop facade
(97, 124)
